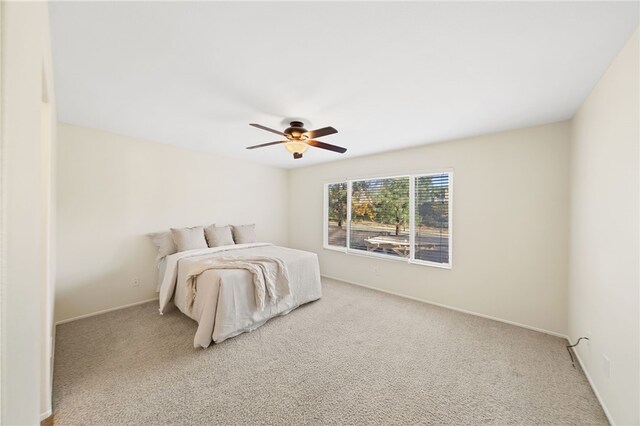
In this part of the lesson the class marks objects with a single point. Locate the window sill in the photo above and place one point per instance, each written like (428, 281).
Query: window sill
(362, 253)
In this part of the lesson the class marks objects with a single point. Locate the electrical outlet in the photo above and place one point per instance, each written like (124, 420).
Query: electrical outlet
(136, 282)
(606, 366)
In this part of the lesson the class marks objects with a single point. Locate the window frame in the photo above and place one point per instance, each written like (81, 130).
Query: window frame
(411, 258)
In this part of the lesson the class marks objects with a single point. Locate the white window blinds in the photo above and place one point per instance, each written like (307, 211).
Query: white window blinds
(432, 218)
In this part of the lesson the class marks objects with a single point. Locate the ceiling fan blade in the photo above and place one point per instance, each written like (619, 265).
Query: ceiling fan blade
(328, 146)
(266, 144)
(260, 126)
(325, 131)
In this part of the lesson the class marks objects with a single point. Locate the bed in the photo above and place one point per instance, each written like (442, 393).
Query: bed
(224, 299)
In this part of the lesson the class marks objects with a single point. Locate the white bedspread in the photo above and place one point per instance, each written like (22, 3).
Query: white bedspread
(225, 301)
(270, 277)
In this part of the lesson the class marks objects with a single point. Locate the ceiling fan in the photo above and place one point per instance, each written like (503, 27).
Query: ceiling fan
(299, 138)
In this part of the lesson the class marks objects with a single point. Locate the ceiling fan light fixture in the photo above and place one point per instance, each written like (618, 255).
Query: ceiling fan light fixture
(296, 147)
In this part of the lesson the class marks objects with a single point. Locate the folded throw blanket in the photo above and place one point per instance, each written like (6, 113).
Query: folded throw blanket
(270, 277)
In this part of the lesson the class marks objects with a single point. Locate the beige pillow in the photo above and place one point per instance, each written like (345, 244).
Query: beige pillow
(165, 244)
(189, 238)
(244, 234)
(218, 235)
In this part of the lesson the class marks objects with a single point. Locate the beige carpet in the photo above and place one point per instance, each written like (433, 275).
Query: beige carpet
(356, 356)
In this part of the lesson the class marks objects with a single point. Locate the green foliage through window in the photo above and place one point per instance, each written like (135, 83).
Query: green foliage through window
(384, 201)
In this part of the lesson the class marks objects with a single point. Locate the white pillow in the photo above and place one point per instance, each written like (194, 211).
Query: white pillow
(218, 235)
(244, 234)
(165, 244)
(189, 238)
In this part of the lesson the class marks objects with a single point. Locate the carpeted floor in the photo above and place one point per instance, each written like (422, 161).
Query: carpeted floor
(356, 356)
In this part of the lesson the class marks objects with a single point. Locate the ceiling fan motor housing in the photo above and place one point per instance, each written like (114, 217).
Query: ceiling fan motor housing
(297, 130)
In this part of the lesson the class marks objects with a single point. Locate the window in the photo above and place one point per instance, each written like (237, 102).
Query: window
(336, 209)
(380, 216)
(431, 227)
(400, 217)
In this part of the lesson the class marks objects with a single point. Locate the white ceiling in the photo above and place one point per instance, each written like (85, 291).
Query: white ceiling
(386, 75)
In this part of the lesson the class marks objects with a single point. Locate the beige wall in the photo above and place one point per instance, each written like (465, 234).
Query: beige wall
(604, 277)
(28, 150)
(113, 190)
(510, 222)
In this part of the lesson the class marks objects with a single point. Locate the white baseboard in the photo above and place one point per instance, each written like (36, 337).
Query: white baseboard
(586, 373)
(105, 311)
(46, 414)
(552, 333)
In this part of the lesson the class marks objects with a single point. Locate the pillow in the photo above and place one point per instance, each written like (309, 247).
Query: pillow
(189, 238)
(165, 244)
(244, 234)
(218, 235)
